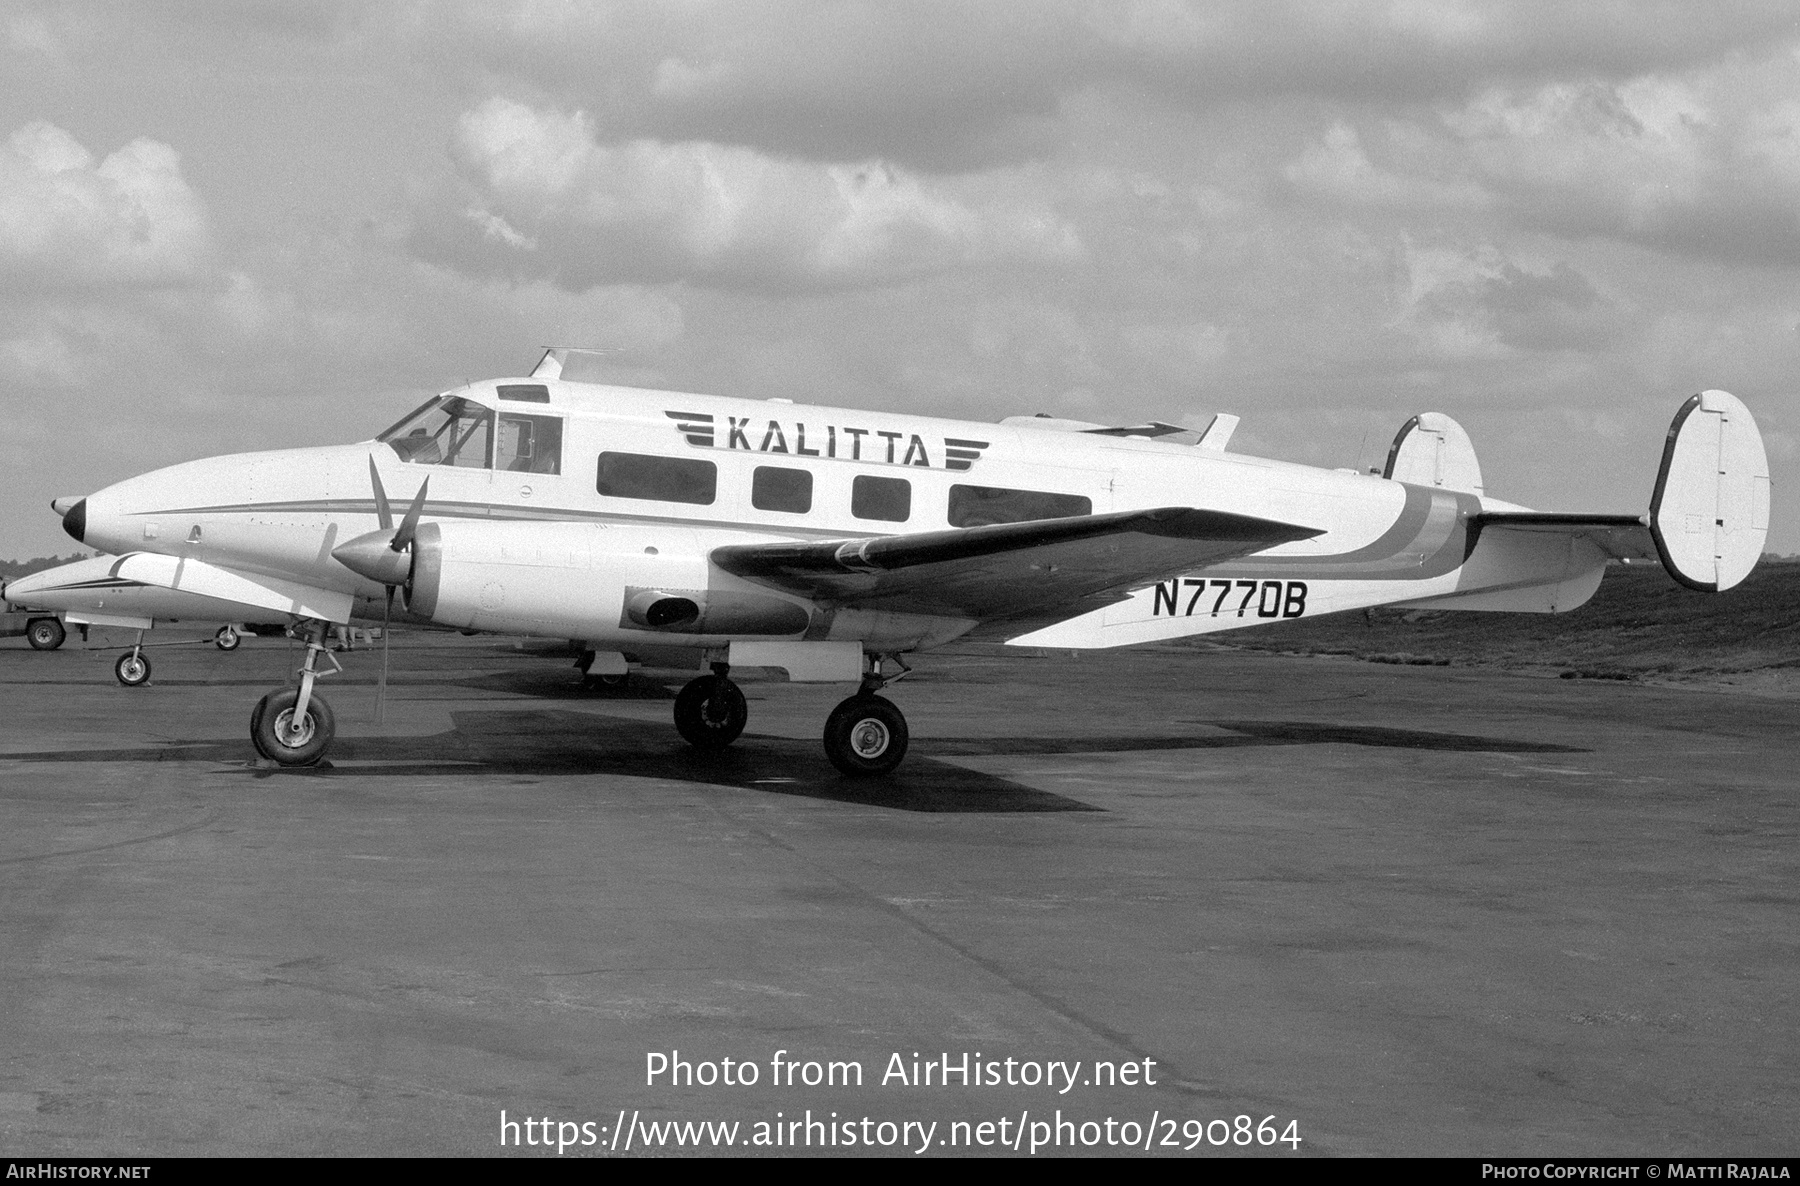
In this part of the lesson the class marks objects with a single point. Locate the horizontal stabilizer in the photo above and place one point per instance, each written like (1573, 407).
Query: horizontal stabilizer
(1709, 514)
(1006, 569)
(1621, 537)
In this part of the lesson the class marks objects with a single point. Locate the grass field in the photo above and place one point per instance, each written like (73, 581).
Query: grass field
(1640, 625)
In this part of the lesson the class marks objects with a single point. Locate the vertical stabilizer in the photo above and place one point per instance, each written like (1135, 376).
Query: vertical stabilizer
(1710, 511)
(551, 365)
(1433, 450)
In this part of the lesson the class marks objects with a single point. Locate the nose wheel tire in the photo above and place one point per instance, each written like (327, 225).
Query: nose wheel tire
(45, 634)
(865, 736)
(227, 639)
(132, 669)
(710, 712)
(276, 737)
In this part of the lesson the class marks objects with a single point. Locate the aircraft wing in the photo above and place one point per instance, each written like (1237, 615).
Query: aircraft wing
(1623, 537)
(1007, 570)
(119, 586)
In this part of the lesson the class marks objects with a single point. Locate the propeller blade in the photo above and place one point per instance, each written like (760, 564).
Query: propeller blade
(404, 537)
(384, 514)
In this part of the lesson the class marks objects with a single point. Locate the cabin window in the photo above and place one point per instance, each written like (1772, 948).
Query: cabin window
(529, 444)
(529, 393)
(449, 430)
(663, 479)
(978, 506)
(775, 489)
(888, 499)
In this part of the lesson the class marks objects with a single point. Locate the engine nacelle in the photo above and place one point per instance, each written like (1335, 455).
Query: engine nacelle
(590, 580)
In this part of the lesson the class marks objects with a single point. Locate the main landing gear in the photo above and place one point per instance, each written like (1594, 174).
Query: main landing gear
(45, 634)
(293, 726)
(710, 711)
(865, 735)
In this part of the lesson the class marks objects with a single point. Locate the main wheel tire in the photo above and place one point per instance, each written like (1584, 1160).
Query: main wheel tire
(256, 729)
(132, 669)
(865, 736)
(269, 728)
(45, 634)
(227, 639)
(710, 712)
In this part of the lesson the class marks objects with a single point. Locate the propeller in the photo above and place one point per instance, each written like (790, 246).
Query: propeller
(382, 555)
(385, 556)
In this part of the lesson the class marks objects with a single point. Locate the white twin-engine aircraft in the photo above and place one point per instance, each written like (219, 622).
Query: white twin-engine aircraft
(717, 533)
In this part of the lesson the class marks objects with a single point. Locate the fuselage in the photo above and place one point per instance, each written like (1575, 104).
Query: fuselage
(670, 476)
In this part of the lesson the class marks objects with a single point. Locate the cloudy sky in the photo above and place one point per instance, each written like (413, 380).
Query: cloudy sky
(228, 226)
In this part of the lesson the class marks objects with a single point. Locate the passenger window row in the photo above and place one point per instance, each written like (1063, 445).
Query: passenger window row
(778, 488)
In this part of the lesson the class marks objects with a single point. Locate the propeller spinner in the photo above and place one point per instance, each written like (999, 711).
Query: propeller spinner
(384, 555)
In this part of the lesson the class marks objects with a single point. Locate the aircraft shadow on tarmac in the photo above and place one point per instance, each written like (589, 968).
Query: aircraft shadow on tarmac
(562, 742)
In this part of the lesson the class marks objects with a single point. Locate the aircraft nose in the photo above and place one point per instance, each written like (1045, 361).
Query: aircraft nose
(75, 520)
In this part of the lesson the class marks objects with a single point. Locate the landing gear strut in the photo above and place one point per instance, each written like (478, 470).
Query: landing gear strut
(866, 735)
(710, 711)
(292, 726)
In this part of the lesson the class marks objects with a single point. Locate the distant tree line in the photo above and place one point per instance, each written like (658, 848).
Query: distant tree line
(10, 569)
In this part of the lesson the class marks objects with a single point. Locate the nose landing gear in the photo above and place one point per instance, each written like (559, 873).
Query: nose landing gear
(133, 668)
(292, 726)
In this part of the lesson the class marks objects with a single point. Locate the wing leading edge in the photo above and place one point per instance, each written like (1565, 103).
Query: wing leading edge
(1007, 570)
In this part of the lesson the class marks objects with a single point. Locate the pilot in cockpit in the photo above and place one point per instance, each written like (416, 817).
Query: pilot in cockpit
(421, 447)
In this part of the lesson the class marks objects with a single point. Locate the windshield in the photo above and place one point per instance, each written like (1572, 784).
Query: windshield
(448, 430)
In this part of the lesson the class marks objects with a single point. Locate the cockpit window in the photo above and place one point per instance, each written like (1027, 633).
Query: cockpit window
(529, 444)
(449, 430)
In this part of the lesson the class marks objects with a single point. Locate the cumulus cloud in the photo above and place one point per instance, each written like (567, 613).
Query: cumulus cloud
(1706, 163)
(1655, 160)
(1338, 168)
(1418, 49)
(69, 222)
(944, 85)
(547, 200)
(1467, 304)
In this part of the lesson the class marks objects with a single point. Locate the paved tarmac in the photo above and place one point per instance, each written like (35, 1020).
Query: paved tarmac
(1409, 910)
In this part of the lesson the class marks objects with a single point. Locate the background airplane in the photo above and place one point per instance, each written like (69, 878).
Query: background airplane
(700, 531)
(98, 592)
